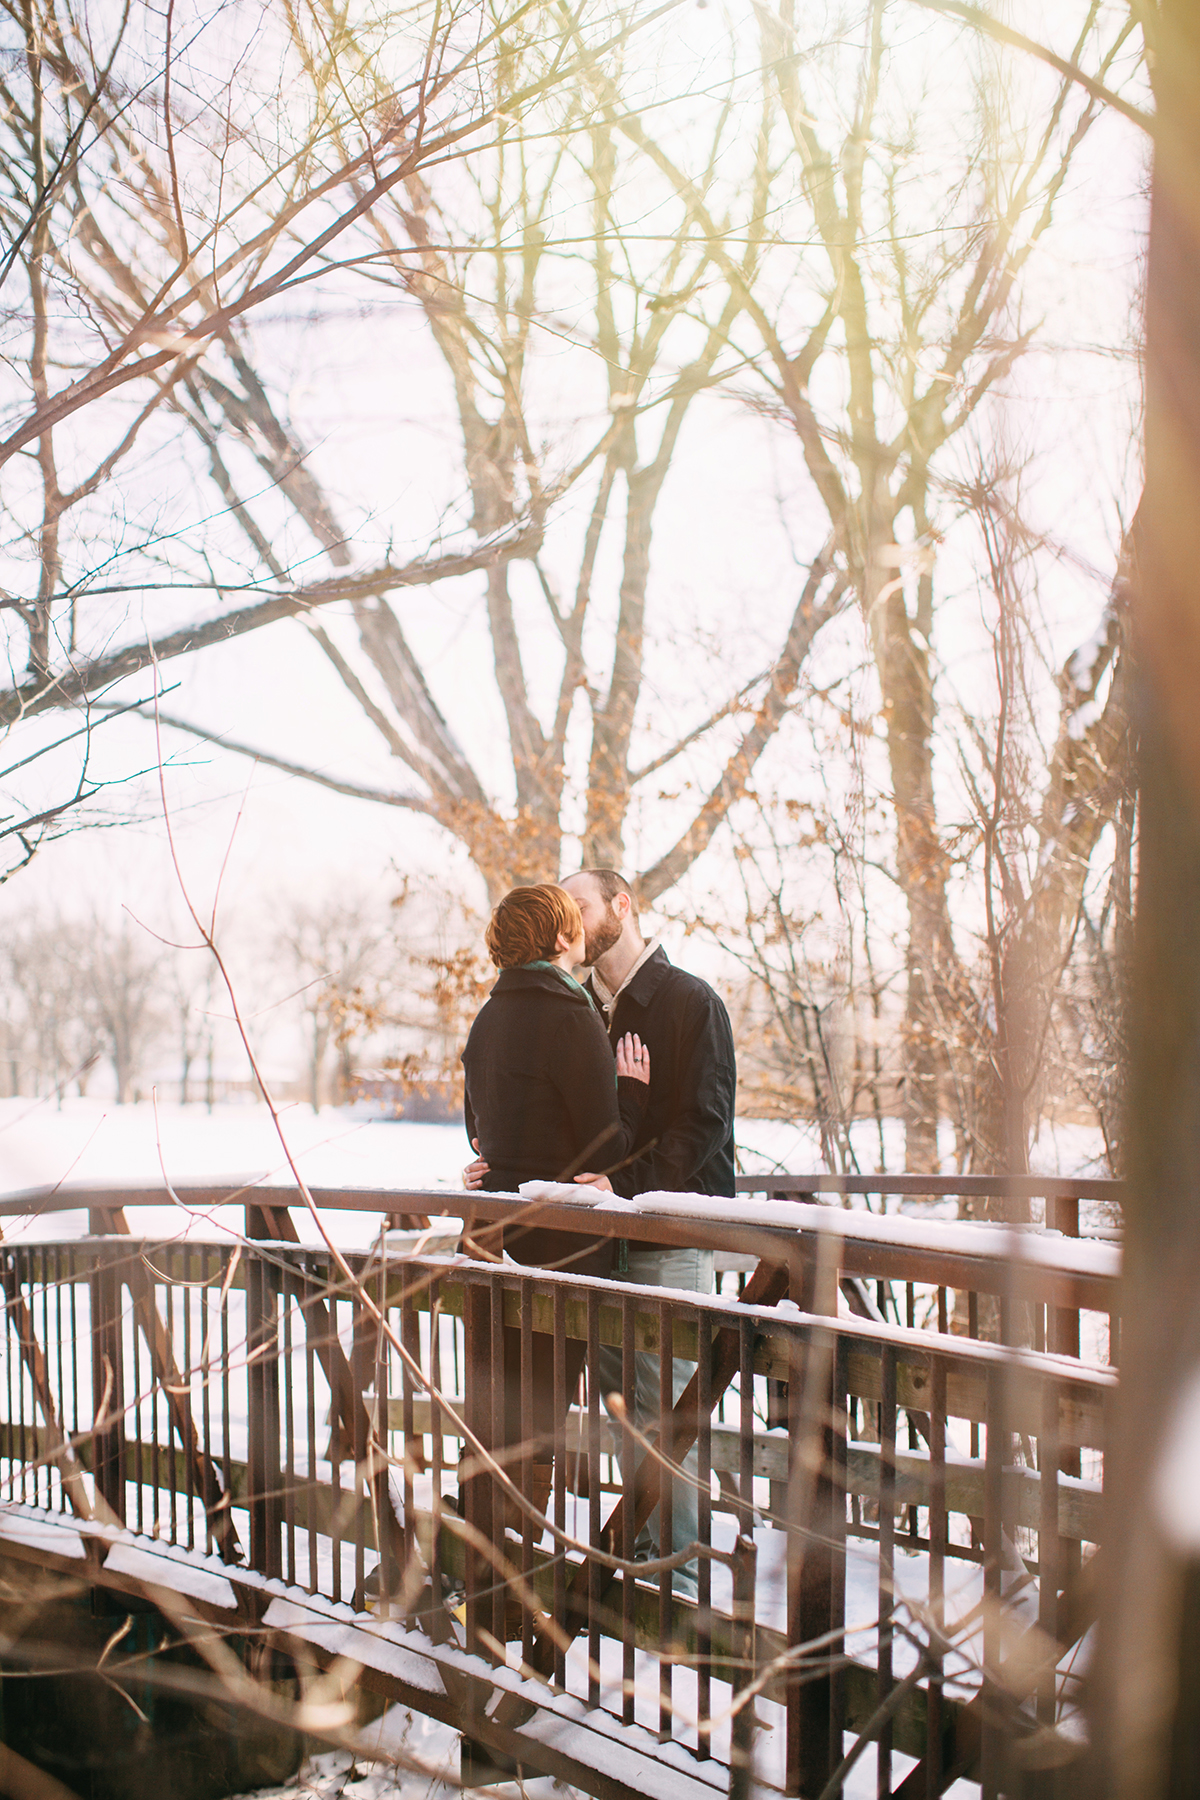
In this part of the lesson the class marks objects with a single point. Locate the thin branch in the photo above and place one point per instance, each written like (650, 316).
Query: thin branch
(77, 682)
(1016, 40)
(384, 797)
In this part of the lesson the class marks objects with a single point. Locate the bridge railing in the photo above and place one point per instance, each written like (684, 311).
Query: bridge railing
(880, 1507)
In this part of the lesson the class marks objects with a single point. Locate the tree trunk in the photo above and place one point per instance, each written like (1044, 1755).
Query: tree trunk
(903, 667)
(1147, 1681)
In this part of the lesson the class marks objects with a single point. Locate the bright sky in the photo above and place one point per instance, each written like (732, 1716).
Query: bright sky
(368, 394)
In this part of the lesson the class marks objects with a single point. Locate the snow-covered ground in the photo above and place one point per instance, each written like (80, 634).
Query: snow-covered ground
(42, 1143)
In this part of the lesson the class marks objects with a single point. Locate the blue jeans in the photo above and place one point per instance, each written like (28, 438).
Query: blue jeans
(691, 1269)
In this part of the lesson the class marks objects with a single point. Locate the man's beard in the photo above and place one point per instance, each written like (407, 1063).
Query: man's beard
(599, 942)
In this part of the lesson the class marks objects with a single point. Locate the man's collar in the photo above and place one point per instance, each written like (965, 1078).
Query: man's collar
(605, 994)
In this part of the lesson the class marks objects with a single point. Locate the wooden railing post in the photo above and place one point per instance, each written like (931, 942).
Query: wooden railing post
(264, 1477)
(476, 1491)
(742, 1725)
(108, 1385)
(1064, 1339)
(815, 1590)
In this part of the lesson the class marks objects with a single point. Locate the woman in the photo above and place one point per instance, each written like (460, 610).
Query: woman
(544, 1102)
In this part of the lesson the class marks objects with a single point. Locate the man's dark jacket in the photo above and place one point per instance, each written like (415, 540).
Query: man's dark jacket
(544, 1101)
(688, 1121)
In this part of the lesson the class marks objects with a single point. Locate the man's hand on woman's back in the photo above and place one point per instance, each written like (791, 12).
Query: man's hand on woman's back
(473, 1174)
(633, 1061)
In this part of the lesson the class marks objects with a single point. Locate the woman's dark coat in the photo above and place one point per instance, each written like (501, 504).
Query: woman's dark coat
(544, 1102)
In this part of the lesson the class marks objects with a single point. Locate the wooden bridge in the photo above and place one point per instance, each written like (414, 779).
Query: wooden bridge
(303, 1450)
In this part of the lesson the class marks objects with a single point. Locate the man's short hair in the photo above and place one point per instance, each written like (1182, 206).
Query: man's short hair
(611, 884)
(526, 925)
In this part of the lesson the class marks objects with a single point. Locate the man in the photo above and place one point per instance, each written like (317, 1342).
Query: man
(688, 1123)
(686, 1131)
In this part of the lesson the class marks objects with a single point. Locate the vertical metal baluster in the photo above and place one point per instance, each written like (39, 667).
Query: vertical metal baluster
(973, 1331)
(437, 1440)
(14, 1375)
(336, 1447)
(745, 1516)
(412, 1443)
(208, 1269)
(381, 1480)
(458, 1353)
(12, 1365)
(35, 1444)
(360, 1364)
(58, 1343)
(562, 1402)
(138, 1471)
(528, 1456)
(37, 1289)
(45, 1261)
(887, 1520)
(270, 1369)
(993, 1501)
(704, 1527)
(13, 1368)
(170, 1297)
(631, 1455)
(29, 1437)
(837, 1544)
(289, 1441)
(492, 1584)
(480, 1385)
(666, 1492)
(796, 1749)
(226, 1258)
(310, 1422)
(943, 1315)
(938, 1536)
(27, 1446)
(741, 1731)
(262, 1462)
(10, 1358)
(1048, 1544)
(12, 1362)
(914, 1440)
(746, 1452)
(597, 1577)
(74, 1354)
(185, 1301)
(107, 1372)
(1114, 1338)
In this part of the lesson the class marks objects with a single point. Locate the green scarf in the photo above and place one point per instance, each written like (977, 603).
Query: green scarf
(561, 973)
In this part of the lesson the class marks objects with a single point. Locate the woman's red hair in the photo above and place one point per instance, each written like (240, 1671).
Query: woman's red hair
(527, 924)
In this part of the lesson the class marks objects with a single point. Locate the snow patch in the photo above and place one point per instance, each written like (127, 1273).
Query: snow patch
(171, 1571)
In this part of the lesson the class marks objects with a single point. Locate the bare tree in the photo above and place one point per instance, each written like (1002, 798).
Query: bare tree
(88, 990)
(340, 956)
(1145, 1703)
(919, 338)
(881, 369)
(158, 186)
(524, 237)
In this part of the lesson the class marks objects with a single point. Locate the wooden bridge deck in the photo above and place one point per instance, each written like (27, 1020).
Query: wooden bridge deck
(271, 1434)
